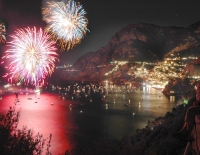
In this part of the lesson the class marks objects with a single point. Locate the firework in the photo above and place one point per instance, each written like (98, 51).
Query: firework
(2, 33)
(65, 22)
(31, 56)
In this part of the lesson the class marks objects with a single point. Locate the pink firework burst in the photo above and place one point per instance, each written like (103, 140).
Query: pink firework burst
(31, 56)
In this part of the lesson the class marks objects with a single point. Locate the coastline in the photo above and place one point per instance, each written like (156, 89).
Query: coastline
(110, 98)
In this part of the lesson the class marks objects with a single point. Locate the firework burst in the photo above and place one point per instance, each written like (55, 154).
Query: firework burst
(65, 22)
(31, 56)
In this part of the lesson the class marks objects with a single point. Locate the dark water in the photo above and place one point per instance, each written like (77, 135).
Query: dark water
(81, 123)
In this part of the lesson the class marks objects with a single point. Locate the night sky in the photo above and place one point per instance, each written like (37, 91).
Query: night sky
(106, 17)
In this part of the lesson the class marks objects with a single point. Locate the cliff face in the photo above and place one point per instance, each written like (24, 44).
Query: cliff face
(192, 68)
(135, 42)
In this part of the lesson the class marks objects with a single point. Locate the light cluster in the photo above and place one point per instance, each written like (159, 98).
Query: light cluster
(117, 66)
(160, 72)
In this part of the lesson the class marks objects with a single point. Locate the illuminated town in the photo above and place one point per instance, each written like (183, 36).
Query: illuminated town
(154, 74)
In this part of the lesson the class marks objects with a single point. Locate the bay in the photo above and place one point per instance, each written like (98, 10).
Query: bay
(73, 123)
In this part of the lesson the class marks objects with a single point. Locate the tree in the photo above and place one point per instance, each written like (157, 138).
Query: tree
(14, 141)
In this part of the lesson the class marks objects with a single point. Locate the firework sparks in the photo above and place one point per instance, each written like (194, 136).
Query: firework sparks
(65, 22)
(2, 33)
(31, 56)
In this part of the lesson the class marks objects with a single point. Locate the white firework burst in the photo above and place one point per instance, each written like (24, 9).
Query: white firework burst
(66, 22)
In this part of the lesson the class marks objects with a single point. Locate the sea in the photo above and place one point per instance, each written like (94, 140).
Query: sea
(73, 123)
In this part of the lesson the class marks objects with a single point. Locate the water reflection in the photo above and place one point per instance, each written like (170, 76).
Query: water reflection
(37, 113)
(73, 123)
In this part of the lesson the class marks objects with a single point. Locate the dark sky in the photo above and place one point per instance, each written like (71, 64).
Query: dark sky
(106, 17)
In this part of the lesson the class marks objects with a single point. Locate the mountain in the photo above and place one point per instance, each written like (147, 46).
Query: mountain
(139, 42)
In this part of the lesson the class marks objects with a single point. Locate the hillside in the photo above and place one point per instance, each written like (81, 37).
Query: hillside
(133, 43)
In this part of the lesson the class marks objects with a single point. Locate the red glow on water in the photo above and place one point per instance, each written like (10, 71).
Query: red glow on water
(46, 114)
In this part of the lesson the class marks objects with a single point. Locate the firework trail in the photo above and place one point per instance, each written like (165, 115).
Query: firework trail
(31, 56)
(65, 22)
